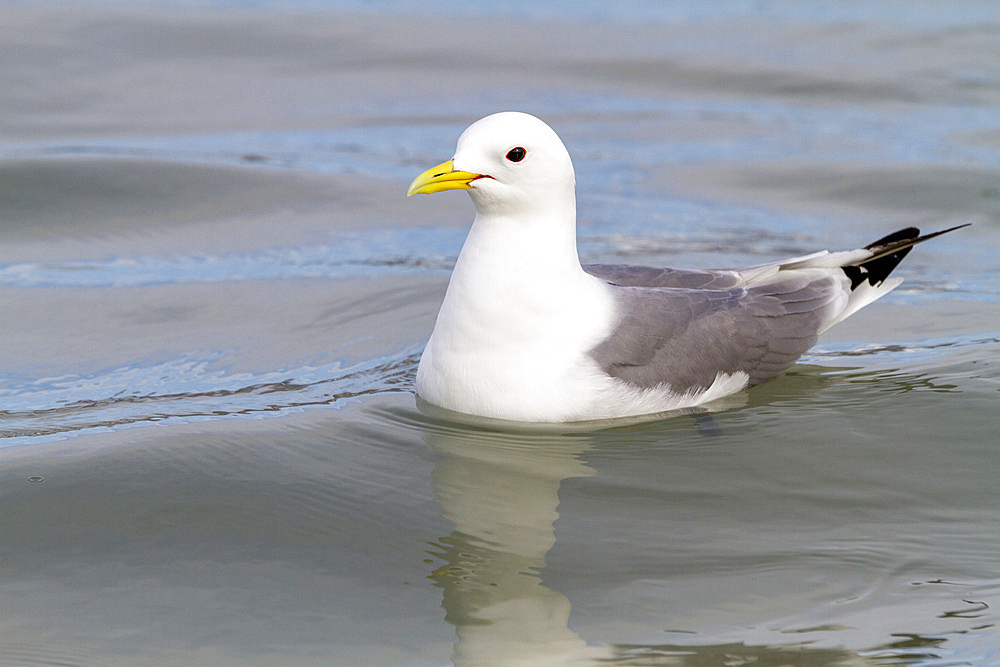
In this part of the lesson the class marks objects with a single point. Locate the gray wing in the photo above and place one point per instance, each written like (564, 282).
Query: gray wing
(685, 337)
(650, 276)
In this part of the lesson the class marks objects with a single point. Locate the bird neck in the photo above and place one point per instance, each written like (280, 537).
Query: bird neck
(539, 247)
(516, 285)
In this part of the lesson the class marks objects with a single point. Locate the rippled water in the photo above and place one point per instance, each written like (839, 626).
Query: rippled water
(214, 296)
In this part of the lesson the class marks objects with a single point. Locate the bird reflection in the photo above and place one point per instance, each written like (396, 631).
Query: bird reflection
(498, 486)
(500, 491)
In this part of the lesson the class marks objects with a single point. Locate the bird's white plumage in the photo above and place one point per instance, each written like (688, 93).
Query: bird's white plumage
(516, 333)
(520, 313)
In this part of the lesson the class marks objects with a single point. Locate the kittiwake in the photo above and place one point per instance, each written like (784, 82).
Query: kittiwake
(525, 333)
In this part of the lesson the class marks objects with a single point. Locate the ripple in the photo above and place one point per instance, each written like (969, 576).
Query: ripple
(352, 255)
(22, 653)
(186, 389)
(918, 350)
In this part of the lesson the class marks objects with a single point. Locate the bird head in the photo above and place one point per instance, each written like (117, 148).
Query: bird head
(512, 164)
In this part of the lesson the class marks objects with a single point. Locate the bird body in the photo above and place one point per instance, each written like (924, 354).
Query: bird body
(525, 333)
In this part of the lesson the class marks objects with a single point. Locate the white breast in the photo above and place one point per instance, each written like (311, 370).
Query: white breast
(519, 353)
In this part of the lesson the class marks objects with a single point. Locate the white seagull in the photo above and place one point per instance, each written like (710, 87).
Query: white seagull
(525, 333)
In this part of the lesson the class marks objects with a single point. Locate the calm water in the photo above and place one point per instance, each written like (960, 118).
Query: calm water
(214, 296)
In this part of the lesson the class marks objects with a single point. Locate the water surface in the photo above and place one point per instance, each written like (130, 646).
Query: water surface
(214, 296)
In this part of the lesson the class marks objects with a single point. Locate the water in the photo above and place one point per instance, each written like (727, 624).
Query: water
(214, 297)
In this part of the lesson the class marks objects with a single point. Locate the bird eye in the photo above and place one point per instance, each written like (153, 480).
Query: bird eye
(516, 154)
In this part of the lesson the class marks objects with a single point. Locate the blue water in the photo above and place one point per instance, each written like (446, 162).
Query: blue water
(214, 296)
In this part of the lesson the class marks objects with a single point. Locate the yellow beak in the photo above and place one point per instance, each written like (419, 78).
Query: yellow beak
(440, 178)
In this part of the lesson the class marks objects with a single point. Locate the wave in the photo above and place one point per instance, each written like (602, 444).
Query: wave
(186, 389)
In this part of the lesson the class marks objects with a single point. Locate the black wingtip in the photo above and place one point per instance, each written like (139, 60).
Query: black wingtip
(904, 234)
(888, 252)
(906, 237)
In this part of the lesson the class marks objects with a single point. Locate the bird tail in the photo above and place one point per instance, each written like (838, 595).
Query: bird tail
(887, 253)
(869, 273)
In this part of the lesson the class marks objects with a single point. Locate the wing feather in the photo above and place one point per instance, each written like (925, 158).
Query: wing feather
(683, 338)
(681, 328)
(650, 276)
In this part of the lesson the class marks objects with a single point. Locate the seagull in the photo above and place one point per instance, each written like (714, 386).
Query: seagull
(527, 334)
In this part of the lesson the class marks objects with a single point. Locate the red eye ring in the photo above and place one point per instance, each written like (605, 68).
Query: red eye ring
(516, 154)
